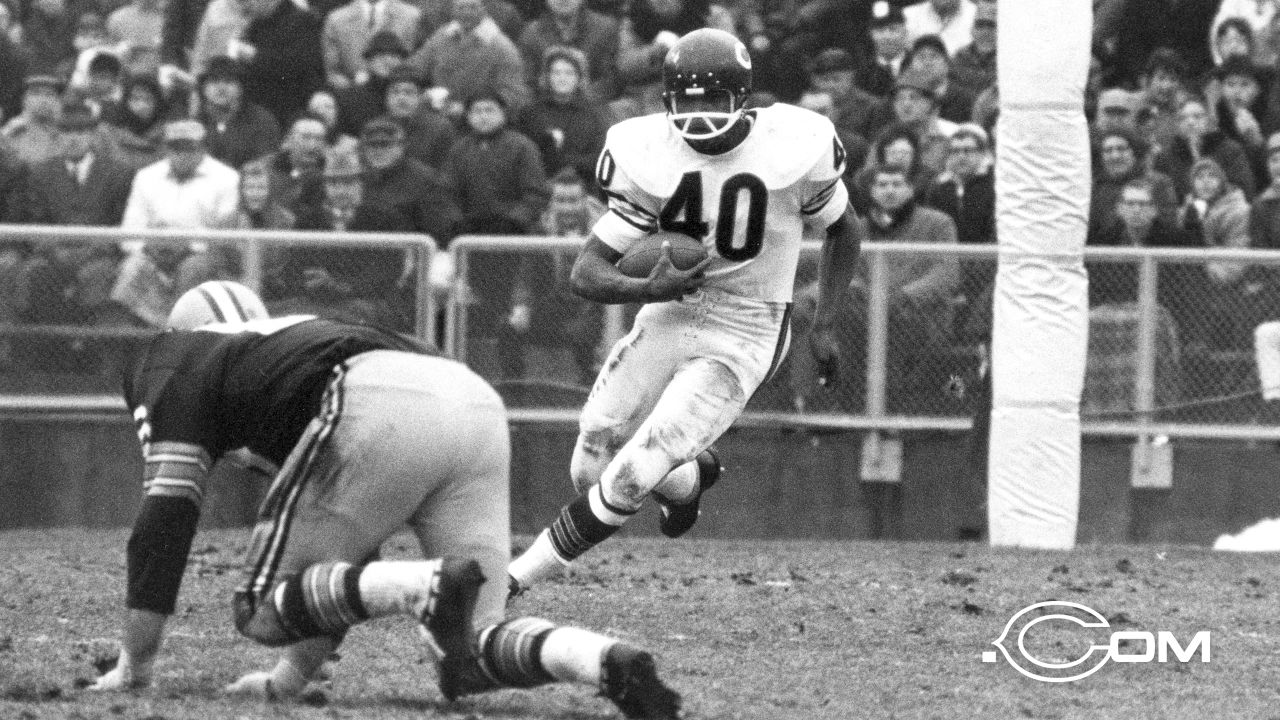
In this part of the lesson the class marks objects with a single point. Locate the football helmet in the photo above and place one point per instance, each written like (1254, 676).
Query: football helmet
(706, 69)
(215, 301)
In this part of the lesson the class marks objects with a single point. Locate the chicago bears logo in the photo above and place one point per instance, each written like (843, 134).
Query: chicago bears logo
(743, 58)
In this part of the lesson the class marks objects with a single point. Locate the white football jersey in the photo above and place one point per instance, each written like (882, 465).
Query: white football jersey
(750, 207)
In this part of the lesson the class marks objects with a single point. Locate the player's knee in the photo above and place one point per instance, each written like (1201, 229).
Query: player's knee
(628, 487)
(591, 455)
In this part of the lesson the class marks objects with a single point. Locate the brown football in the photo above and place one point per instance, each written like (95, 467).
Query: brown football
(639, 260)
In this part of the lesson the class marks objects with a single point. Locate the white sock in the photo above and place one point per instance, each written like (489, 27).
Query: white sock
(539, 562)
(680, 486)
(286, 679)
(397, 588)
(575, 655)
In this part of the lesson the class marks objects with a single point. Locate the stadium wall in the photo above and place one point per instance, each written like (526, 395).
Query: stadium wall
(779, 484)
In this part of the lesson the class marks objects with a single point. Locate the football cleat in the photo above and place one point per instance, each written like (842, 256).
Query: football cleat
(677, 519)
(631, 682)
(447, 621)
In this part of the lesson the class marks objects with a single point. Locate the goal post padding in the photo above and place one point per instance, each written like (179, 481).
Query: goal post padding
(1040, 318)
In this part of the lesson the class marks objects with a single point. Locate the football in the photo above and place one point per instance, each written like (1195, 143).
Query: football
(640, 259)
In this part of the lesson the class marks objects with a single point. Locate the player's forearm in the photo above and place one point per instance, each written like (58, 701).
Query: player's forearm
(596, 279)
(837, 265)
(157, 552)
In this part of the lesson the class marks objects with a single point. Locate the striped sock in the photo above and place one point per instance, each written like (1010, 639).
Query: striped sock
(324, 600)
(511, 652)
(584, 523)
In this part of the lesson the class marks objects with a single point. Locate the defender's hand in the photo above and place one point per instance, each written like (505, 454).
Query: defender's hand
(667, 282)
(826, 354)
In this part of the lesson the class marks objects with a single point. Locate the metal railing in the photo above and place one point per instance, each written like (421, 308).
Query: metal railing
(880, 401)
(251, 244)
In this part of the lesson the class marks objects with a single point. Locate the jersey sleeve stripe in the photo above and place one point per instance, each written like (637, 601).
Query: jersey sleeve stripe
(173, 487)
(630, 206)
(641, 226)
(817, 202)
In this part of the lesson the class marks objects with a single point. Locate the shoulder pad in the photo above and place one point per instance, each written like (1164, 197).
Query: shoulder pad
(788, 141)
(645, 149)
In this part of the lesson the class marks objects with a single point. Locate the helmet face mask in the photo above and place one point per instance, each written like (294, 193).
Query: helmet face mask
(699, 114)
(706, 77)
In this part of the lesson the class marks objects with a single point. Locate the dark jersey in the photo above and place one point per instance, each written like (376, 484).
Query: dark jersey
(254, 385)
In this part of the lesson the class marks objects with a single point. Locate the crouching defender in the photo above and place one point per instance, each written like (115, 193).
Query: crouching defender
(370, 432)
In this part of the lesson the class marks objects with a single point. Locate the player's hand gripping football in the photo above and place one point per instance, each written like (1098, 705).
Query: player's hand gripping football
(826, 354)
(667, 282)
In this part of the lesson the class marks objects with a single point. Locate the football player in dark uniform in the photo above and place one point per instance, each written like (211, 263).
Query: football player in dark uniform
(370, 431)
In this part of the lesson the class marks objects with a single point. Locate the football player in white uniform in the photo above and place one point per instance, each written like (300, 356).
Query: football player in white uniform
(750, 184)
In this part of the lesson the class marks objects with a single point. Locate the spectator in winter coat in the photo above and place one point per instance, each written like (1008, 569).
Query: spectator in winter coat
(568, 129)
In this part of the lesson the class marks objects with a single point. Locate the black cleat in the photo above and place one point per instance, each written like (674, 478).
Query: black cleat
(447, 621)
(631, 682)
(678, 519)
(513, 588)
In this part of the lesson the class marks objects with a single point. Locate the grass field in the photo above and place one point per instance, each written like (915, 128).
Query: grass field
(758, 630)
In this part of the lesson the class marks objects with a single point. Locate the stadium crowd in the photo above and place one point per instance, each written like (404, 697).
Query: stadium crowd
(447, 117)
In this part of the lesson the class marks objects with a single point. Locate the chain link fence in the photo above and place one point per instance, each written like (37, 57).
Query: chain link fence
(75, 302)
(1170, 341)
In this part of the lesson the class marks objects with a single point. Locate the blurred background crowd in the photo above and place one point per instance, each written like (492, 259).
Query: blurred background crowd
(450, 117)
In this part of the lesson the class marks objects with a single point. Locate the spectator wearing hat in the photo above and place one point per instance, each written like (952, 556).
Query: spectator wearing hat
(973, 67)
(217, 34)
(468, 54)
(70, 283)
(428, 133)
(33, 134)
(424, 195)
(282, 56)
(238, 130)
(350, 30)
(951, 20)
(365, 100)
(889, 43)
(187, 189)
(81, 185)
(915, 105)
(568, 129)
(569, 23)
(344, 283)
(858, 111)
(929, 57)
(295, 170)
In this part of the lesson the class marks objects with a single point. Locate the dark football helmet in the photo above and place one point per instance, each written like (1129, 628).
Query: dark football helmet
(706, 78)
